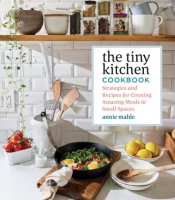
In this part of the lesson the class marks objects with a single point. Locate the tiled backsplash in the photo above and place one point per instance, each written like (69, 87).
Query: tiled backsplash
(72, 64)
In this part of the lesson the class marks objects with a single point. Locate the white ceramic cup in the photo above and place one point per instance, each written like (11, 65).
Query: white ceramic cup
(168, 13)
(144, 24)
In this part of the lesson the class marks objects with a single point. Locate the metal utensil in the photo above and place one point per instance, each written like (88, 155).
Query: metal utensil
(56, 95)
(68, 100)
(51, 104)
(43, 115)
(131, 173)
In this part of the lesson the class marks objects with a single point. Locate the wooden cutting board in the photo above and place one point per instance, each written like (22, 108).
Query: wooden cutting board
(81, 189)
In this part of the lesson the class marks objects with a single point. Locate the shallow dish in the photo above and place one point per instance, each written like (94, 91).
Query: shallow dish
(132, 187)
(81, 145)
(146, 179)
(147, 159)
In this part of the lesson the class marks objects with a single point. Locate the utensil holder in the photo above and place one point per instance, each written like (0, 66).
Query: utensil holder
(39, 133)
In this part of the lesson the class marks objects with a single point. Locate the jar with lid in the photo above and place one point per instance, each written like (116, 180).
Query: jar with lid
(89, 26)
(75, 21)
(103, 26)
(104, 8)
(89, 8)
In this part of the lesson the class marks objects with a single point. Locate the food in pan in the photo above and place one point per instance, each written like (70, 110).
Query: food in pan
(86, 159)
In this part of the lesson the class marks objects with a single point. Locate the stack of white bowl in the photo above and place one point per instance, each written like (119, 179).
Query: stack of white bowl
(141, 182)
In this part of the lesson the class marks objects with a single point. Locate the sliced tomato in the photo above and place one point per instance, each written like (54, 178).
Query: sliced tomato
(73, 167)
(17, 147)
(19, 133)
(97, 159)
(8, 147)
(87, 163)
(80, 167)
(93, 156)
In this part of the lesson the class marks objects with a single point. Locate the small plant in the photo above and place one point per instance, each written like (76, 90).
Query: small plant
(15, 64)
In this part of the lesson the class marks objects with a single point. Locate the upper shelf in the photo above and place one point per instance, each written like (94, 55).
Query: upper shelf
(160, 38)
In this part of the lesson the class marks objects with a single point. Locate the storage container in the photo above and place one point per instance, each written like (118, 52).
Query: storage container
(17, 157)
(39, 133)
(120, 8)
(104, 7)
(75, 21)
(89, 8)
(56, 24)
(89, 26)
(103, 26)
(169, 145)
(121, 26)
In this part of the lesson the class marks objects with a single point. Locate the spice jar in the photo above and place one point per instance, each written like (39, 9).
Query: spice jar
(89, 26)
(103, 26)
(75, 21)
(89, 8)
(104, 8)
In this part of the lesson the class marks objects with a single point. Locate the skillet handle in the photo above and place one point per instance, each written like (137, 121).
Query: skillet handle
(52, 183)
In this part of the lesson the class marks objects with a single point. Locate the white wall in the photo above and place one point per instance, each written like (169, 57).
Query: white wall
(72, 64)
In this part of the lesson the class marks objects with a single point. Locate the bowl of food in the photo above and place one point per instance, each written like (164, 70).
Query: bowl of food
(56, 24)
(87, 159)
(149, 152)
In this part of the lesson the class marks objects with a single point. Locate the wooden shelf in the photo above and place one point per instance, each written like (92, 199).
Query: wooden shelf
(160, 38)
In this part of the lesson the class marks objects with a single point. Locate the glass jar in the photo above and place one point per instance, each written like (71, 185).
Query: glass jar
(104, 8)
(40, 160)
(103, 26)
(89, 26)
(89, 8)
(75, 21)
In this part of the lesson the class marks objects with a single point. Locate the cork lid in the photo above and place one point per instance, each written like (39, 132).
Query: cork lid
(75, 10)
(54, 15)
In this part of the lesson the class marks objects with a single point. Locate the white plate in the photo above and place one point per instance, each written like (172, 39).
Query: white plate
(147, 159)
(132, 187)
(146, 179)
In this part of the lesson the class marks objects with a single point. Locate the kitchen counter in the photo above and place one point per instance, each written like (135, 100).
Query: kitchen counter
(18, 182)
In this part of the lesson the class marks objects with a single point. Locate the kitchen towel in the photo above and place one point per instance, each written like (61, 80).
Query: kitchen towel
(61, 177)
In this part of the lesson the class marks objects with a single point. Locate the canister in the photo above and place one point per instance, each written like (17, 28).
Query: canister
(75, 21)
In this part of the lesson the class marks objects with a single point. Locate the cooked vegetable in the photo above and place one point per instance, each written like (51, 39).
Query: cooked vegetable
(84, 159)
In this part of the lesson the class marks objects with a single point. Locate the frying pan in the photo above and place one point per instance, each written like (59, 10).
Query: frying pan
(84, 174)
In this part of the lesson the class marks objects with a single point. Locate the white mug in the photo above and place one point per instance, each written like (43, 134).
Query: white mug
(144, 24)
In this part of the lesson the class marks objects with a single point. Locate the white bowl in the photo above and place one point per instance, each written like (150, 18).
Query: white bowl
(56, 24)
(132, 187)
(17, 157)
(142, 180)
(147, 159)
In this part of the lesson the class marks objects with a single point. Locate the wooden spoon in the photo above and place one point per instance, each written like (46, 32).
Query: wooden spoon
(131, 173)
(68, 100)
(56, 95)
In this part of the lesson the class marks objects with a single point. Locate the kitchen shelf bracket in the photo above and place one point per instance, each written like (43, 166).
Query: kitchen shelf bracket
(46, 48)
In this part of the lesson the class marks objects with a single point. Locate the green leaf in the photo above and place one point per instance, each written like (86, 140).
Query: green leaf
(4, 25)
